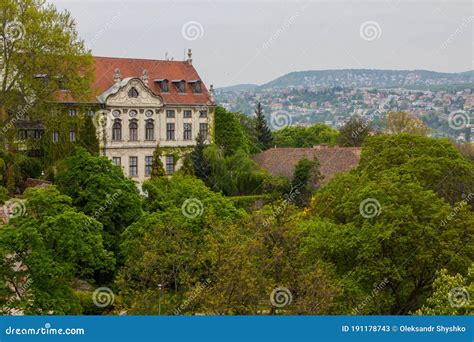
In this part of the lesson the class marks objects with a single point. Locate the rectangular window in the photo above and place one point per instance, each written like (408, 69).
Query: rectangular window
(23, 134)
(169, 165)
(203, 113)
(170, 113)
(197, 87)
(117, 161)
(72, 112)
(37, 133)
(170, 131)
(133, 166)
(187, 114)
(187, 133)
(90, 112)
(180, 87)
(72, 135)
(164, 86)
(55, 136)
(203, 129)
(148, 165)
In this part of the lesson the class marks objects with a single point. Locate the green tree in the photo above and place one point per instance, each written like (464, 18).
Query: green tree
(31, 81)
(435, 163)
(265, 137)
(354, 132)
(164, 246)
(99, 189)
(306, 178)
(402, 122)
(451, 295)
(44, 249)
(299, 136)
(200, 165)
(157, 168)
(229, 134)
(234, 175)
(249, 124)
(307, 173)
(387, 228)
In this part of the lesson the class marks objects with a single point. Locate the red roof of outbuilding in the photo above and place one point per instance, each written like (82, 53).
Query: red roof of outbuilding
(157, 69)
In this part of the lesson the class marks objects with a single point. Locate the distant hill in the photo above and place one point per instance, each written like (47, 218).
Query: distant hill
(369, 78)
(239, 87)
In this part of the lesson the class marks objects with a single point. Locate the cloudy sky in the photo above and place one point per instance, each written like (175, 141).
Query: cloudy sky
(236, 41)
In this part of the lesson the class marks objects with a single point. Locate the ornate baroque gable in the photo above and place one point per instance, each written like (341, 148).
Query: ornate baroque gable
(145, 97)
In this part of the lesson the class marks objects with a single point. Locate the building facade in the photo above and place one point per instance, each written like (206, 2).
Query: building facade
(143, 103)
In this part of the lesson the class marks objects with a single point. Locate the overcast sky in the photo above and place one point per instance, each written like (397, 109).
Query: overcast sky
(256, 41)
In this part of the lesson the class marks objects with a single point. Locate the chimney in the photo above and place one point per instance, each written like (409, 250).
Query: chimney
(190, 57)
(117, 76)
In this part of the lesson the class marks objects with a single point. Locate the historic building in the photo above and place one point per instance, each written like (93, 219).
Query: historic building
(148, 102)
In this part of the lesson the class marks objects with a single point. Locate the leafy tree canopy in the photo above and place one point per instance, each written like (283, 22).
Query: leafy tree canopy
(99, 189)
(354, 132)
(435, 163)
(300, 136)
(229, 134)
(43, 250)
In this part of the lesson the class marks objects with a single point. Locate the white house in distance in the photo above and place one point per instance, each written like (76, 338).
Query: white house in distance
(149, 102)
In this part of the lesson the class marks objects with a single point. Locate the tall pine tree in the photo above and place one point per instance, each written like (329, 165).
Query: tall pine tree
(264, 135)
(200, 164)
(157, 168)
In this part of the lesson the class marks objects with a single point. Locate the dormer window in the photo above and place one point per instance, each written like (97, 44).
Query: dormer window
(180, 87)
(163, 84)
(133, 92)
(196, 86)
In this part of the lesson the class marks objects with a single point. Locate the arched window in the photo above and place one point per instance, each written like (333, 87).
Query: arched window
(117, 130)
(149, 130)
(133, 92)
(133, 131)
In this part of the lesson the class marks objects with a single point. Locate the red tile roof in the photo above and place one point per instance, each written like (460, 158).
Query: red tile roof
(157, 69)
(281, 161)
